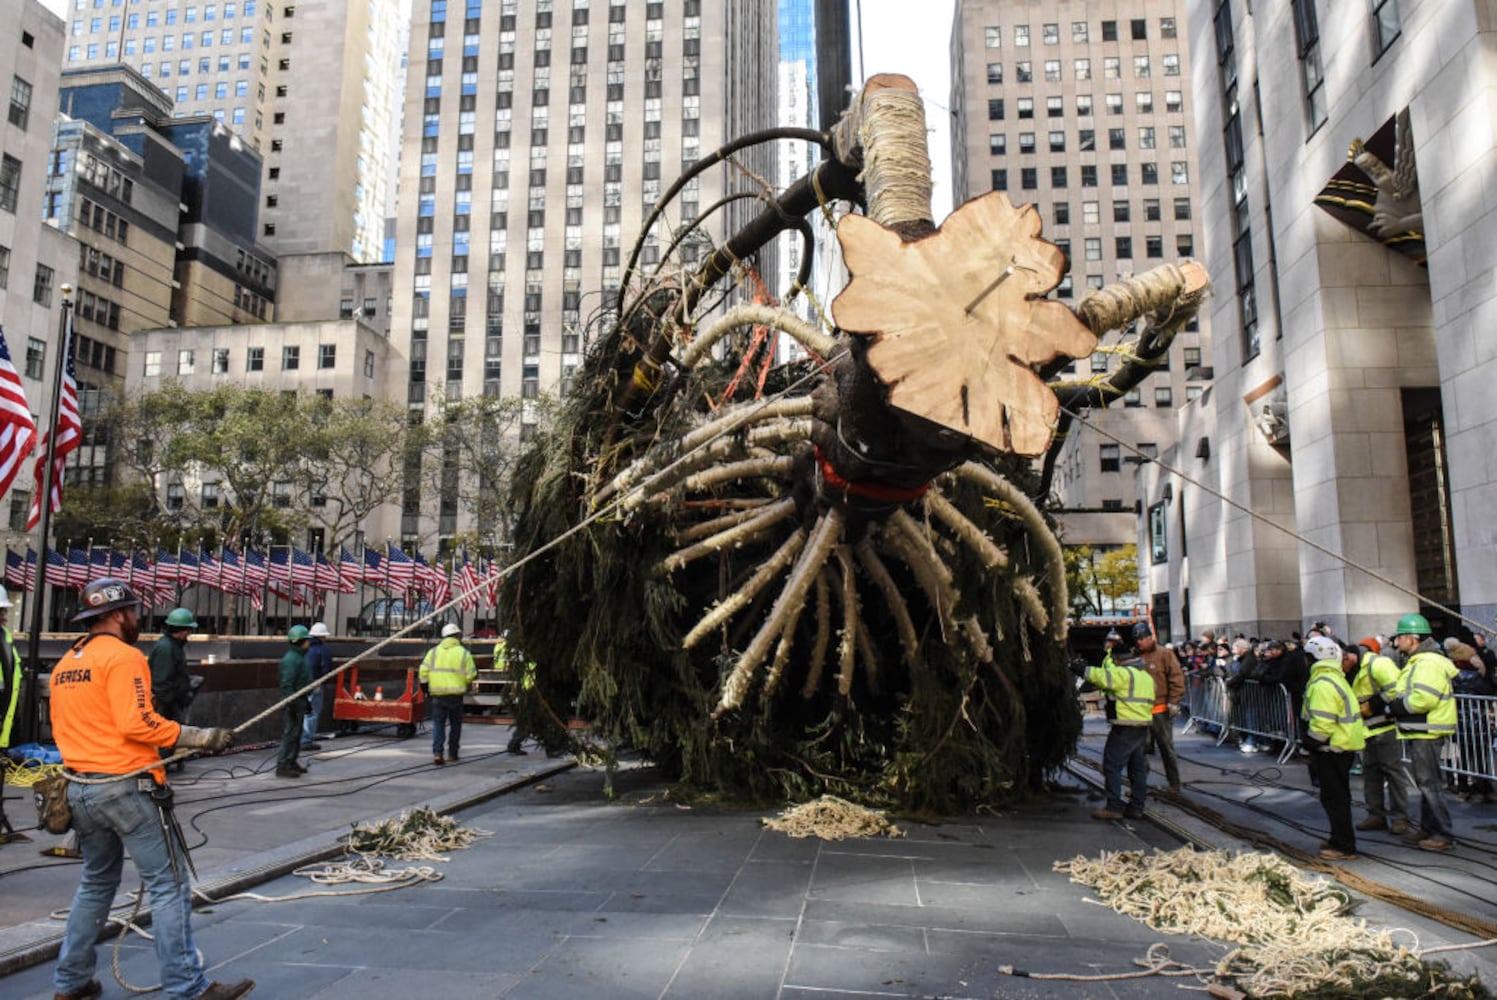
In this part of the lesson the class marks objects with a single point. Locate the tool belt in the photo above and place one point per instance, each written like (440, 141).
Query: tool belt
(53, 813)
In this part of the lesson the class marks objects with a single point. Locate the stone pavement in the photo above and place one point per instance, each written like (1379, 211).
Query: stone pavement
(579, 895)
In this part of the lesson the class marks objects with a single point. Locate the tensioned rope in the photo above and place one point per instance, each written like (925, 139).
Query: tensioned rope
(1291, 532)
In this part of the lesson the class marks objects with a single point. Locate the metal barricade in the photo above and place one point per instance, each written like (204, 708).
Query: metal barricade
(1209, 705)
(1264, 711)
(1470, 753)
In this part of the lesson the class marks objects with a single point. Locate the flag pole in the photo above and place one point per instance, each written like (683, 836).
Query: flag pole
(31, 724)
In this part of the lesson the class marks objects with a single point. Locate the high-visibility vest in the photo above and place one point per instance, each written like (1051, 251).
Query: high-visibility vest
(1426, 697)
(1131, 687)
(1331, 709)
(1378, 676)
(448, 668)
(12, 691)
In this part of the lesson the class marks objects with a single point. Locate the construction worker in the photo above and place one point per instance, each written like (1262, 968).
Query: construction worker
(295, 675)
(320, 663)
(104, 728)
(1382, 758)
(447, 672)
(1131, 686)
(1333, 735)
(10, 673)
(170, 688)
(1169, 688)
(1423, 708)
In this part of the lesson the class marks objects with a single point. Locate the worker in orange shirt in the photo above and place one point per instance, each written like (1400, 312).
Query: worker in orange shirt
(106, 727)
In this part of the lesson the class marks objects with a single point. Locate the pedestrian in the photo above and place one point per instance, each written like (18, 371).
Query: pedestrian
(1333, 734)
(295, 675)
(447, 672)
(1423, 707)
(10, 673)
(1385, 781)
(1473, 734)
(1131, 687)
(171, 689)
(1242, 693)
(1169, 688)
(105, 728)
(320, 664)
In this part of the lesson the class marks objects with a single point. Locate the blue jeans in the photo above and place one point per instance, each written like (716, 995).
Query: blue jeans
(309, 724)
(446, 723)
(1124, 749)
(1424, 769)
(109, 819)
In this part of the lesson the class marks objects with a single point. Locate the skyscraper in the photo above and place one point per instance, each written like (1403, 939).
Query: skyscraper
(309, 88)
(1083, 110)
(538, 137)
(797, 99)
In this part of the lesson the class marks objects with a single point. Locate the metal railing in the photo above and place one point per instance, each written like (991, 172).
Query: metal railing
(1266, 711)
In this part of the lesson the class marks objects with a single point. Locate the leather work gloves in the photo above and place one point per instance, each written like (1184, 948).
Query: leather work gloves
(216, 738)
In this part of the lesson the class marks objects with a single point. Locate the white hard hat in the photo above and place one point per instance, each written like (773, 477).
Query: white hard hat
(1322, 648)
(4, 598)
(451, 629)
(319, 630)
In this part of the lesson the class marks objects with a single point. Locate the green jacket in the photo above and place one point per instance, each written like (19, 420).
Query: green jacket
(1424, 699)
(295, 674)
(1131, 687)
(1378, 676)
(448, 668)
(169, 687)
(10, 687)
(1335, 721)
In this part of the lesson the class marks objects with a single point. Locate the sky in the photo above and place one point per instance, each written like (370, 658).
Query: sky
(917, 43)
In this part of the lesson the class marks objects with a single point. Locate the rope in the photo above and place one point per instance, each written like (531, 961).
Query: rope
(831, 818)
(896, 163)
(1292, 533)
(1156, 962)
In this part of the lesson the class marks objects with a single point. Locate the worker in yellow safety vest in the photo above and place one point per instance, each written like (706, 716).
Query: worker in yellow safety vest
(1132, 688)
(10, 674)
(1423, 707)
(1333, 734)
(447, 672)
(1385, 781)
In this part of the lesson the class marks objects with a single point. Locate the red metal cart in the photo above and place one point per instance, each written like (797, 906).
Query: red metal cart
(405, 710)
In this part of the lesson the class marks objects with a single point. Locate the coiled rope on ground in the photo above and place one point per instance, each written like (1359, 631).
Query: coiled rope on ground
(1293, 933)
(831, 818)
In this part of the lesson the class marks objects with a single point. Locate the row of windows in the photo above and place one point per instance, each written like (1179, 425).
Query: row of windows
(1055, 105)
(105, 177)
(147, 46)
(1148, 173)
(254, 360)
(1086, 139)
(92, 353)
(96, 217)
(98, 309)
(251, 302)
(1081, 69)
(1138, 30)
(1122, 211)
(152, 18)
(1123, 246)
(101, 265)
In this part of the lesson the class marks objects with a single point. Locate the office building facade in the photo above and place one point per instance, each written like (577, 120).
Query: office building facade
(1350, 219)
(311, 89)
(539, 136)
(1083, 110)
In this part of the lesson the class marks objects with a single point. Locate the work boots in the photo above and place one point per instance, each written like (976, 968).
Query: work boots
(87, 991)
(228, 991)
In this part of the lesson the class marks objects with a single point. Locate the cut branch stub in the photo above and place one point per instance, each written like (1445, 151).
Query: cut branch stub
(956, 322)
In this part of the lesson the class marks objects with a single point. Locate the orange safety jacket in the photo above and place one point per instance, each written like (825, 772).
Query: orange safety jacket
(102, 718)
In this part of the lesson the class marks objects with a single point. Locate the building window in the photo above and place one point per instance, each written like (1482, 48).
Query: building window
(1026, 107)
(1050, 33)
(1164, 396)
(1089, 175)
(1166, 27)
(36, 358)
(1023, 73)
(1111, 460)
(1057, 177)
(1154, 246)
(327, 355)
(1062, 213)
(1090, 213)
(176, 496)
(10, 182)
(153, 364)
(1021, 35)
(1151, 209)
(209, 496)
(1117, 138)
(1307, 41)
(254, 359)
(995, 109)
(185, 362)
(1179, 172)
(1078, 32)
(1385, 23)
(992, 36)
(280, 494)
(20, 102)
(1000, 180)
(998, 143)
(1057, 142)
(1192, 357)
(1124, 246)
(41, 289)
(220, 361)
(995, 72)
(1140, 27)
(1028, 178)
(4, 267)
(1055, 107)
(1093, 246)
(290, 358)
(1109, 31)
(1026, 142)
(1158, 543)
(369, 364)
(1121, 210)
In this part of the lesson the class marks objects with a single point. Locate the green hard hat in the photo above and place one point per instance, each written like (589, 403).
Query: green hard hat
(1412, 625)
(181, 618)
(297, 634)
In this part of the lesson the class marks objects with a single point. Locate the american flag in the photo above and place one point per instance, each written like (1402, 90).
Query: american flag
(17, 429)
(400, 570)
(15, 570)
(350, 572)
(469, 584)
(66, 435)
(303, 569)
